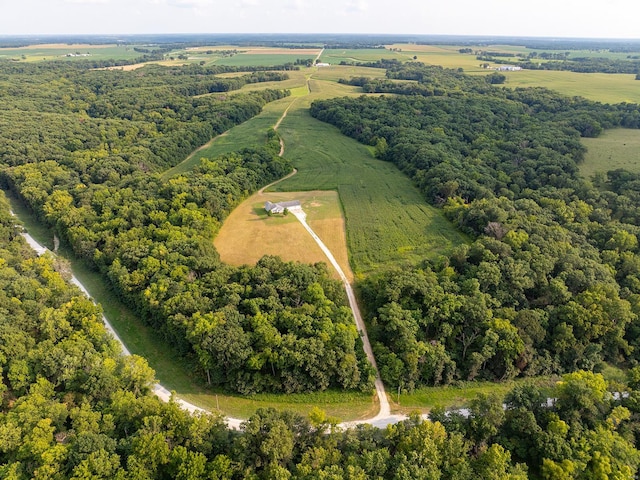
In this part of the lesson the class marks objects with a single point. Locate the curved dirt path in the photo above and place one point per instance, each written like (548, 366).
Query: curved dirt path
(385, 409)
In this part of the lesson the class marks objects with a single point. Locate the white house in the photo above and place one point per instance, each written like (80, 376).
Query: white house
(280, 206)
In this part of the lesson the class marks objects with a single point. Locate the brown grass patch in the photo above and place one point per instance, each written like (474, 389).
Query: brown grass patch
(249, 233)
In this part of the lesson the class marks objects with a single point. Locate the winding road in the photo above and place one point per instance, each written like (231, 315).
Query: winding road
(383, 417)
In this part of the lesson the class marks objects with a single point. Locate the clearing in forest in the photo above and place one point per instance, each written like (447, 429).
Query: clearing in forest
(613, 149)
(388, 222)
(248, 233)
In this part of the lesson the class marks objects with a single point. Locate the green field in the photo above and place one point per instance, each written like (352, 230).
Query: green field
(337, 55)
(58, 52)
(388, 222)
(458, 396)
(261, 59)
(600, 87)
(613, 149)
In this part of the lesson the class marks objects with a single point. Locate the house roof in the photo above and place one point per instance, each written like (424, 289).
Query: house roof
(269, 206)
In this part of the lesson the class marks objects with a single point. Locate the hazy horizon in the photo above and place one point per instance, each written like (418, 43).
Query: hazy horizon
(615, 19)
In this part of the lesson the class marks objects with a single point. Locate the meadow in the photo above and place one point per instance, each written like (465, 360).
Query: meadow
(613, 149)
(334, 56)
(248, 233)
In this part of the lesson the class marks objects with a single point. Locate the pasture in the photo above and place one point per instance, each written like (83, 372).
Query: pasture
(336, 55)
(613, 149)
(600, 87)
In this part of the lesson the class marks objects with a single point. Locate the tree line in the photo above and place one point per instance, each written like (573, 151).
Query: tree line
(72, 407)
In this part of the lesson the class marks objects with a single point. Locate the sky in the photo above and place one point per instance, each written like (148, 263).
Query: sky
(539, 18)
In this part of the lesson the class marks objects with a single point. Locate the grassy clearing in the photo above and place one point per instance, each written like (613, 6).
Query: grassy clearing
(388, 222)
(174, 372)
(249, 233)
(427, 398)
(337, 55)
(613, 149)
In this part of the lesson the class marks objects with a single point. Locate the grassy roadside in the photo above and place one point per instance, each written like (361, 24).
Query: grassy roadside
(457, 396)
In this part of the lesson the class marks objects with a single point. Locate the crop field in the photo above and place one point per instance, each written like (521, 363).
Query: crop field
(337, 55)
(618, 148)
(601, 87)
(35, 53)
(249, 233)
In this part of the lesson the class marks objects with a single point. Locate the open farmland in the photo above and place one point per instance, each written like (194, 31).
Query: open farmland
(34, 53)
(337, 55)
(601, 87)
(613, 149)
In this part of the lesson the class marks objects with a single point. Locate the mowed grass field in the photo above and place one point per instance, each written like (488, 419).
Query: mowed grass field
(249, 233)
(613, 149)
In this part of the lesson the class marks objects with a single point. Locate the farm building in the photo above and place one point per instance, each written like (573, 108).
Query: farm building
(508, 68)
(280, 206)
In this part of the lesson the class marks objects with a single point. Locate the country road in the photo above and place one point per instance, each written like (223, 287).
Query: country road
(385, 409)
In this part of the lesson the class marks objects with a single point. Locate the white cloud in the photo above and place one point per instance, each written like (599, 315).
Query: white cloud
(356, 6)
(190, 3)
(80, 2)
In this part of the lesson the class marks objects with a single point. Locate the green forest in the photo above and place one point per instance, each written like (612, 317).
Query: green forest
(547, 286)
(73, 407)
